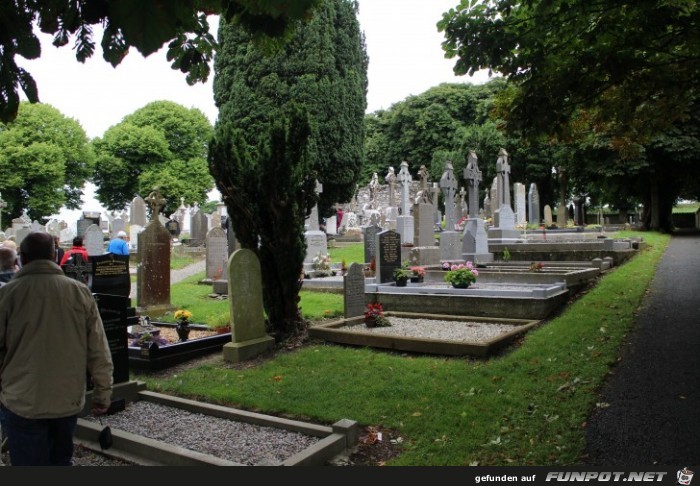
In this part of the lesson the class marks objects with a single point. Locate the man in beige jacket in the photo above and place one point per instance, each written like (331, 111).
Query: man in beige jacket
(51, 333)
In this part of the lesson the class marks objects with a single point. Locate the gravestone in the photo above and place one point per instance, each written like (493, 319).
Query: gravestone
(199, 228)
(110, 274)
(118, 224)
(173, 227)
(354, 291)
(53, 228)
(520, 201)
(112, 310)
(316, 241)
(20, 234)
(548, 221)
(215, 220)
(104, 225)
(78, 269)
(533, 205)
(475, 246)
(137, 212)
(230, 235)
(503, 230)
(404, 222)
(388, 255)
(370, 236)
(217, 254)
(493, 195)
(153, 270)
(37, 227)
(450, 240)
(94, 240)
(66, 235)
(82, 225)
(424, 224)
(134, 231)
(579, 211)
(246, 306)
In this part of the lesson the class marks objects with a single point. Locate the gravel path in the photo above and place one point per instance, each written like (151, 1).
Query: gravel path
(472, 332)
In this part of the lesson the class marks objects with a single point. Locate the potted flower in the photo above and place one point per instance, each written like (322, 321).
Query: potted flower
(401, 276)
(418, 274)
(183, 317)
(461, 276)
(374, 316)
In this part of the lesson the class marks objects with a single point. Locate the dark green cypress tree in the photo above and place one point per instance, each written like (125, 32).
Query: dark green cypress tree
(320, 74)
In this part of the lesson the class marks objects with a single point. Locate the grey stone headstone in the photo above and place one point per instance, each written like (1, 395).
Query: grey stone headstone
(316, 243)
(354, 288)
(83, 224)
(53, 228)
(520, 208)
(94, 240)
(137, 212)
(37, 227)
(475, 247)
(494, 198)
(562, 215)
(450, 245)
(118, 225)
(388, 255)
(154, 267)
(246, 304)
(370, 233)
(215, 220)
(533, 205)
(231, 236)
(66, 235)
(217, 254)
(548, 215)
(199, 228)
(424, 224)
(134, 231)
(20, 234)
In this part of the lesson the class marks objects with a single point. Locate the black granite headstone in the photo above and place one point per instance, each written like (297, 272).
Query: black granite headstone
(78, 269)
(110, 274)
(388, 255)
(113, 313)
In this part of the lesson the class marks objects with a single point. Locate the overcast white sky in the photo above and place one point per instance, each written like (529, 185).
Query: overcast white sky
(403, 45)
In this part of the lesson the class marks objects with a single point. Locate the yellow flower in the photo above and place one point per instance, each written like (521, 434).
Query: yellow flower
(183, 315)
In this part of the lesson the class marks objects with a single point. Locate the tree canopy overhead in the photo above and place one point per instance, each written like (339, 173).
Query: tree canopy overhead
(634, 66)
(143, 24)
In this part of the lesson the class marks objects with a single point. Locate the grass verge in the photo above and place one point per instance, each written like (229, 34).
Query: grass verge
(526, 407)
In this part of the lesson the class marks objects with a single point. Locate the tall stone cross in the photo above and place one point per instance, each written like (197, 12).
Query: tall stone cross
(405, 179)
(473, 176)
(3, 205)
(373, 186)
(313, 217)
(503, 181)
(391, 180)
(448, 184)
(424, 193)
(156, 202)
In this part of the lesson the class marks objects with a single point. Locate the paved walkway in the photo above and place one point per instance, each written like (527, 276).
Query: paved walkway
(654, 391)
(177, 275)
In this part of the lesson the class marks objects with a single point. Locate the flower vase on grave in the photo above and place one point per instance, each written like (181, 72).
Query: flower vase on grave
(183, 330)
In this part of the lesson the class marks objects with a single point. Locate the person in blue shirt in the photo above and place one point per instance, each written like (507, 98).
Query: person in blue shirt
(118, 245)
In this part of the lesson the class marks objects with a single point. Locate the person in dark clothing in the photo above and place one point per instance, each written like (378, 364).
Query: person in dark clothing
(59, 251)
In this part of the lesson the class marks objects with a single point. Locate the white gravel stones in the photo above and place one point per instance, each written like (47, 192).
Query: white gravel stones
(234, 441)
(441, 330)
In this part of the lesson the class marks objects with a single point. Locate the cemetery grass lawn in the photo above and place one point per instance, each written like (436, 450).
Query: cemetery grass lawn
(353, 253)
(527, 406)
(194, 297)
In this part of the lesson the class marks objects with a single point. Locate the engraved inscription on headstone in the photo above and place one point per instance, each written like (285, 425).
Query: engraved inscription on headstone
(112, 310)
(354, 285)
(388, 255)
